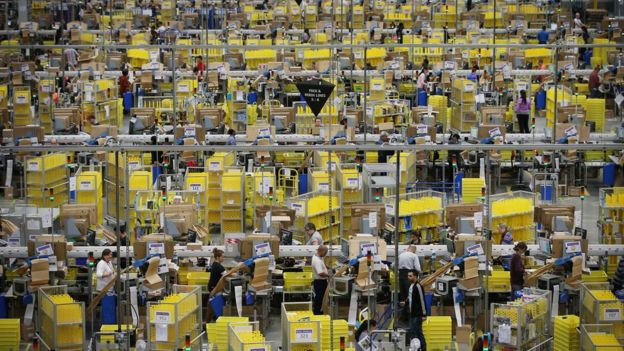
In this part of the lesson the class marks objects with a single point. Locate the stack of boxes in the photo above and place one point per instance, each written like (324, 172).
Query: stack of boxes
(471, 273)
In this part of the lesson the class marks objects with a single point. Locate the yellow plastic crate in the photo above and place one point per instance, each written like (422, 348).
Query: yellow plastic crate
(297, 281)
(10, 334)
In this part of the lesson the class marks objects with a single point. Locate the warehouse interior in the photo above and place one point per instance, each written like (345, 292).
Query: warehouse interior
(302, 175)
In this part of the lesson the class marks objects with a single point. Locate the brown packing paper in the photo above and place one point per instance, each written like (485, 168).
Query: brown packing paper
(152, 279)
(261, 273)
(39, 272)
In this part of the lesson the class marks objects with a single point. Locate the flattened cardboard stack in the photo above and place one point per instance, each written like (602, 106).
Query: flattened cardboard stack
(471, 273)
(261, 273)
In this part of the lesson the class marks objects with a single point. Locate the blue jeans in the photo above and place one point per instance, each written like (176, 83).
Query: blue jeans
(416, 331)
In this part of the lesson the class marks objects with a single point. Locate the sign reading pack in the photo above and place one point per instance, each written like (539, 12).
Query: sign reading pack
(315, 93)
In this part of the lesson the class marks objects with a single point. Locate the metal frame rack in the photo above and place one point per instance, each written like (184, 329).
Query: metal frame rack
(59, 321)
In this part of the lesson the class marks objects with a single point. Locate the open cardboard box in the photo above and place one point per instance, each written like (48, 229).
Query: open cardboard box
(248, 243)
(360, 210)
(454, 211)
(357, 239)
(191, 131)
(141, 247)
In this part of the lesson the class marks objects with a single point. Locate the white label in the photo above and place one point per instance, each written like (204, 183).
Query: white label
(14, 242)
(304, 335)
(45, 250)
(262, 249)
(134, 164)
(494, 132)
(377, 86)
(153, 55)
(449, 65)
(372, 219)
(612, 314)
(264, 132)
(577, 218)
(46, 219)
(46, 88)
(298, 208)
(72, 183)
(163, 267)
(214, 166)
(389, 209)
(421, 129)
(33, 224)
(572, 247)
(52, 264)
(20, 99)
(469, 87)
(353, 183)
(183, 88)
(156, 248)
(476, 248)
(331, 165)
(522, 86)
(357, 55)
(570, 131)
(323, 186)
(168, 183)
(366, 247)
(32, 166)
(196, 187)
(464, 54)
(85, 185)
(478, 219)
(189, 132)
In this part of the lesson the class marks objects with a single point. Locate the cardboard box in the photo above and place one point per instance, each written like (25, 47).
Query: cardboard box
(471, 283)
(247, 244)
(462, 334)
(103, 130)
(141, 247)
(276, 211)
(28, 132)
(360, 210)
(454, 211)
(356, 240)
(545, 213)
(190, 131)
(558, 241)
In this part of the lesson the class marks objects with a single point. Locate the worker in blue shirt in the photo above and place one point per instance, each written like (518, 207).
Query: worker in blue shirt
(543, 36)
(473, 76)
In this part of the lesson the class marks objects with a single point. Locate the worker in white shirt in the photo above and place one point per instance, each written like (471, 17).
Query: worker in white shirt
(104, 271)
(578, 24)
(408, 261)
(315, 237)
(421, 82)
(320, 275)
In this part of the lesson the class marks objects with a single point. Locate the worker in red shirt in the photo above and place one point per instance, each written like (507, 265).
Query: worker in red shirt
(201, 67)
(124, 83)
(594, 83)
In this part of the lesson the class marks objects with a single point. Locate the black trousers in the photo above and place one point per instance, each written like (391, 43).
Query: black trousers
(523, 122)
(319, 285)
(403, 284)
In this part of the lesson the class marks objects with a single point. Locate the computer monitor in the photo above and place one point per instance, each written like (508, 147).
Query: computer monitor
(544, 245)
(562, 224)
(280, 122)
(465, 225)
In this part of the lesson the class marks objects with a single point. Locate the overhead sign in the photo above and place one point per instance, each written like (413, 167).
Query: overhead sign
(315, 93)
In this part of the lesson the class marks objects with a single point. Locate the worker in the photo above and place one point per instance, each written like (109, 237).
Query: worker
(201, 67)
(320, 275)
(383, 155)
(506, 237)
(408, 261)
(473, 75)
(71, 57)
(578, 24)
(541, 66)
(216, 268)
(421, 83)
(362, 333)
(594, 82)
(315, 237)
(124, 82)
(523, 109)
(104, 271)
(342, 133)
(416, 308)
(516, 269)
(543, 36)
(231, 139)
